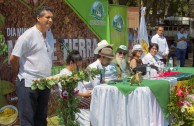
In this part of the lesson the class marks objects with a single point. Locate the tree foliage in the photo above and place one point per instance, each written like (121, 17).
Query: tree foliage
(158, 9)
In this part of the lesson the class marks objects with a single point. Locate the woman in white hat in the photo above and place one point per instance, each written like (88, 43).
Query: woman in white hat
(136, 54)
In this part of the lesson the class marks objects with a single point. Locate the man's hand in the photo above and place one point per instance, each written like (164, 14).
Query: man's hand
(87, 93)
(14, 64)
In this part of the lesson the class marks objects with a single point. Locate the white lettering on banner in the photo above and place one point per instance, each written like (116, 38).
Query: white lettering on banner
(75, 44)
(88, 48)
(97, 22)
(15, 32)
(84, 46)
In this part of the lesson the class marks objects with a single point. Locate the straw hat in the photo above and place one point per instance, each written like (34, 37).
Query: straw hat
(107, 52)
(101, 45)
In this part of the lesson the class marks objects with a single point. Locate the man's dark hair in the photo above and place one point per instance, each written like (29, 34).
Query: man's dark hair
(152, 45)
(73, 56)
(181, 28)
(40, 12)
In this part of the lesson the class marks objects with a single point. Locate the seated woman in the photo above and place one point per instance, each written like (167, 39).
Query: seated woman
(151, 57)
(136, 55)
(74, 62)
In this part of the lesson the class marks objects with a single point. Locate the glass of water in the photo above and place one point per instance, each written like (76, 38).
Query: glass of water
(166, 67)
(124, 76)
(177, 64)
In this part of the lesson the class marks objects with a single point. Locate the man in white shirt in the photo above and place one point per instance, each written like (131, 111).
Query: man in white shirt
(181, 40)
(105, 56)
(162, 43)
(31, 58)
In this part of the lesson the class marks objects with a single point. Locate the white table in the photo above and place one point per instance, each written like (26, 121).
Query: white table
(109, 107)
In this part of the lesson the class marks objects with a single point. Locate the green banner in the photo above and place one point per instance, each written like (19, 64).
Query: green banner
(118, 25)
(94, 13)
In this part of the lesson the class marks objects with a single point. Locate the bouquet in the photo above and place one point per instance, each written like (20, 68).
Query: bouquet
(181, 106)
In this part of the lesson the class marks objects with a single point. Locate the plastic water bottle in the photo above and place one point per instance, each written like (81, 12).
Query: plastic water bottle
(124, 76)
(161, 69)
(148, 68)
(171, 64)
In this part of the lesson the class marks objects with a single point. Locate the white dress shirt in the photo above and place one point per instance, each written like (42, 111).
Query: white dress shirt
(35, 55)
(162, 44)
(148, 58)
(97, 65)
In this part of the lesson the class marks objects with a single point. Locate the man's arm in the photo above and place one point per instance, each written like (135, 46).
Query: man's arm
(176, 40)
(154, 39)
(14, 64)
(186, 39)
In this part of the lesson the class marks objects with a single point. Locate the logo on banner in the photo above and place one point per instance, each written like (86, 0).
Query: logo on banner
(118, 22)
(97, 10)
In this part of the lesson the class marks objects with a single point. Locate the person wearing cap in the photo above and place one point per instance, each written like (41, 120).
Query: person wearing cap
(120, 63)
(151, 56)
(136, 54)
(105, 56)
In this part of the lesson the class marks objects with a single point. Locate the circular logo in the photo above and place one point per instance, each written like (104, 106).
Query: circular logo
(118, 22)
(97, 10)
(8, 115)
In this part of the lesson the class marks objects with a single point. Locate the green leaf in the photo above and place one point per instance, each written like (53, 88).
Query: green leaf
(41, 86)
(50, 83)
(34, 87)
(49, 86)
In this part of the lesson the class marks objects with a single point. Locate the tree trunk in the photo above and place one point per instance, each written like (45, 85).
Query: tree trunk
(192, 23)
(154, 15)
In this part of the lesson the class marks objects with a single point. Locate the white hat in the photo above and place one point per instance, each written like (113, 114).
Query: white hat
(137, 47)
(101, 45)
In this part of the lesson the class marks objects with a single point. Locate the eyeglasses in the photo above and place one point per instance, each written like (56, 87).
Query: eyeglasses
(122, 53)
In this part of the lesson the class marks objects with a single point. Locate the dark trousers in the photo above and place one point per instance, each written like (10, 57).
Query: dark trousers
(181, 56)
(32, 105)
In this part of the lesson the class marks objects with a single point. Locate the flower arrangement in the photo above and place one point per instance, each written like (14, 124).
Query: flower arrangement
(181, 106)
(68, 102)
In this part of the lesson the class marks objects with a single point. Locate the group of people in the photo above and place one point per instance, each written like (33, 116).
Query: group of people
(31, 58)
(179, 48)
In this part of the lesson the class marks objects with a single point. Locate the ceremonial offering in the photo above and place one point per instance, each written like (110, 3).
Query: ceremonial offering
(137, 78)
(8, 115)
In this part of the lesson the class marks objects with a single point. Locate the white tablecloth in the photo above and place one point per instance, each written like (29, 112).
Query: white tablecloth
(109, 107)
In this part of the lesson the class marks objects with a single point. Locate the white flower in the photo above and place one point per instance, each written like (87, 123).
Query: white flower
(181, 122)
(183, 108)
